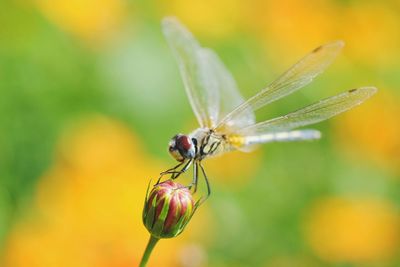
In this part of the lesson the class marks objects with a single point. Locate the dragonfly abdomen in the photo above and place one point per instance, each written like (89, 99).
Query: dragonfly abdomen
(299, 135)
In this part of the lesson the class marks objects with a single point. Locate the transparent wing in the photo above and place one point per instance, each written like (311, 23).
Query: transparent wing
(211, 89)
(299, 75)
(230, 97)
(199, 81)
(311, 114)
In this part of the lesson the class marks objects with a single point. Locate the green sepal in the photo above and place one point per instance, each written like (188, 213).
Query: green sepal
(158, 227)
(178, 226)
(173, 231)
(146, 198)
(150, 216)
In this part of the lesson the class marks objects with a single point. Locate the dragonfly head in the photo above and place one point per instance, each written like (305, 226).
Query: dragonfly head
(181, 147)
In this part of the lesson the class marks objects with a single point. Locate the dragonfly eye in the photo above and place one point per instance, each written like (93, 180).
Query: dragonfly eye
(181, 147)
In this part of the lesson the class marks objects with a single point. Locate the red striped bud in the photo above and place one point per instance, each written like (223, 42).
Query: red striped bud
(168, 208)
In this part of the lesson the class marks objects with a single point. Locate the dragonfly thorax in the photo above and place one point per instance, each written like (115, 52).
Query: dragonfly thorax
(207, 142)
(182, 147)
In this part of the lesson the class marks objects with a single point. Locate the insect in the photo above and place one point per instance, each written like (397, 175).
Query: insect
(227, 122)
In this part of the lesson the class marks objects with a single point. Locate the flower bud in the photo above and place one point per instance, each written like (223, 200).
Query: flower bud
(168, 208)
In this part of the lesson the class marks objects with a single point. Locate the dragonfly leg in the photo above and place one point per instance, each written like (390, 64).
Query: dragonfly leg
(207, 183)
(184, 169)
(177, 173)
(195, 177)
(172, 169)
(214, 147)
(169, 171)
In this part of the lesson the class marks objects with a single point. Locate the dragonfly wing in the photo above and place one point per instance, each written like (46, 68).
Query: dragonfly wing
(199, 80)
(230, 96)
(211, 89)
(299, 75)
(311, 114)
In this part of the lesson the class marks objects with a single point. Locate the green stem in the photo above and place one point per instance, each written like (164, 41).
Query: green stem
(150, 246)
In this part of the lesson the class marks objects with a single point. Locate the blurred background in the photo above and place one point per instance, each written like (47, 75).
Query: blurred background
(91, 95)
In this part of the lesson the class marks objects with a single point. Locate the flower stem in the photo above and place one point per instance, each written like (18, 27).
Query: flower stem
(150, 246)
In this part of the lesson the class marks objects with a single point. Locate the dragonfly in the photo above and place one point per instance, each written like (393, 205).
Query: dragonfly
(227, 122)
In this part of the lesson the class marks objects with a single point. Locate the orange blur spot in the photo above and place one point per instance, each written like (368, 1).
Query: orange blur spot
(353, 230)
(372, 131)
(90, 20)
